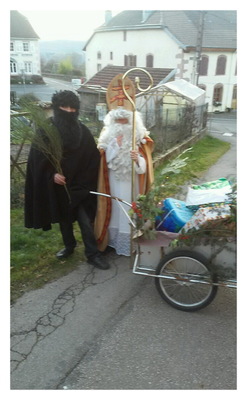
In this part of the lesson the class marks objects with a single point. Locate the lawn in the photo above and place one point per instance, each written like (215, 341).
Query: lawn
(33, 260)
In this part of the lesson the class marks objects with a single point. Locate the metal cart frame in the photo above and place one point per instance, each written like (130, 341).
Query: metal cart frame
(186, 278)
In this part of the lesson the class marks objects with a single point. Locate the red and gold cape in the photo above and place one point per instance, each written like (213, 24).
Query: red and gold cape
(103, 215)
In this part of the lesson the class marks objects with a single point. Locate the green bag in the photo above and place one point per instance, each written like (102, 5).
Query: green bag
(207, 193)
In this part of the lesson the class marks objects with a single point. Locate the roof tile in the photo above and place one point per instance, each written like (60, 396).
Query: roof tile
(104, 77)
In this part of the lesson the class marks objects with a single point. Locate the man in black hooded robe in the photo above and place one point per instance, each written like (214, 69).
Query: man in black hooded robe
(46, 200)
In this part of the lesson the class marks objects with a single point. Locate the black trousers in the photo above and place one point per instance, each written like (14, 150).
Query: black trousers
(87, 233)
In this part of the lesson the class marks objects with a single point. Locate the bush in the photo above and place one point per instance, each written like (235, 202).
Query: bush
(14, 80)
(27, 98)
(37, 79)
(29, 79)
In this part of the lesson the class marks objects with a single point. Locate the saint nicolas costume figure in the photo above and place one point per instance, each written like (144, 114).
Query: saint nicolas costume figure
(115, 143)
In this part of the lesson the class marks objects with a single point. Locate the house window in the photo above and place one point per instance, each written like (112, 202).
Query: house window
(130, 60)
(149, 60)
(203, 69)
(218, 93)
(28, 67)
(98, 67)
(25, 46)
(12, 48)
(111, 55)
(13, 67)
(99, 55)
(221, 65)
(124, 36)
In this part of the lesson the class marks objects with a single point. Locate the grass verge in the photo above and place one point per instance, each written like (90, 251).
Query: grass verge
(33, 261)
(202, 156)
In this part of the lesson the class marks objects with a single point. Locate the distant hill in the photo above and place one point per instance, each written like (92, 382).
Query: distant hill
(60, 48)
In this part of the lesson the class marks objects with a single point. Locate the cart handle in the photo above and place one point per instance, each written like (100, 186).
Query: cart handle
(118, 201)
(112, 197)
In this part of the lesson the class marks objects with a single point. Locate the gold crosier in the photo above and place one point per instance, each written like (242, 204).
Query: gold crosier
(137, 82)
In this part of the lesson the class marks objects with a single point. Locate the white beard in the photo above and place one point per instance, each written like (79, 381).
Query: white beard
(122, 163)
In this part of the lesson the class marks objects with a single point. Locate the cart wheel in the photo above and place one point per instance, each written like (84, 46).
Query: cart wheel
(187, 283)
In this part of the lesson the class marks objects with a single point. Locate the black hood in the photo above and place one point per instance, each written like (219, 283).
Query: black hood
(65, 98)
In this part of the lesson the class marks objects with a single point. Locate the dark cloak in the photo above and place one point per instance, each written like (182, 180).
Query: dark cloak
(45, 201)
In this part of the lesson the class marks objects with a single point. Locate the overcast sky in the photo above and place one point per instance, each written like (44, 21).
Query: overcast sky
(65, 24)
(78, 19)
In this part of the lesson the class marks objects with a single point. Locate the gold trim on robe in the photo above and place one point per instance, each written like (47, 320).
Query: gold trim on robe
(103, 215)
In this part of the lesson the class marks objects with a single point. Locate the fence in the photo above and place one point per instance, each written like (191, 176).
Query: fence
(174, 125)
(168, 126)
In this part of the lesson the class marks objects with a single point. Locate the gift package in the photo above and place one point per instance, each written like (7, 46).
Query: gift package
(208, 193)
(175, 215)
(205, 202)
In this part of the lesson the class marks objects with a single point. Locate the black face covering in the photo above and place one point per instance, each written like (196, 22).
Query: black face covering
(68, 127)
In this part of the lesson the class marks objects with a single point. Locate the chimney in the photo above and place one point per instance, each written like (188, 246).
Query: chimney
(108, 16)
(145, 14)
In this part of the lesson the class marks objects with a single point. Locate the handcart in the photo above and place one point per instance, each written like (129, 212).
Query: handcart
(186, 278)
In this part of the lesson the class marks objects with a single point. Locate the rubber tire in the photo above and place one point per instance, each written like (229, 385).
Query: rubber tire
(164, 285)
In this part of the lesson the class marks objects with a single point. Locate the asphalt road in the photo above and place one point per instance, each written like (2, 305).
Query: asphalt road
(110, 330)
(43, 92)
(223, 123)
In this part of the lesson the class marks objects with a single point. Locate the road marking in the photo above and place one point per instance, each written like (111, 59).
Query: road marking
(223, 134)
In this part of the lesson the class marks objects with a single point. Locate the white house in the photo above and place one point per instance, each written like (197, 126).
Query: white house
(200, 45)
(24, 47)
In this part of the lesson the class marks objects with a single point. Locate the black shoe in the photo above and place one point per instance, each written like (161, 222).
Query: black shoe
(98, 262)
(64, 253)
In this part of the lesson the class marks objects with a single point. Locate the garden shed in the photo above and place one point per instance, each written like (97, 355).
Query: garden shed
(166, 101)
